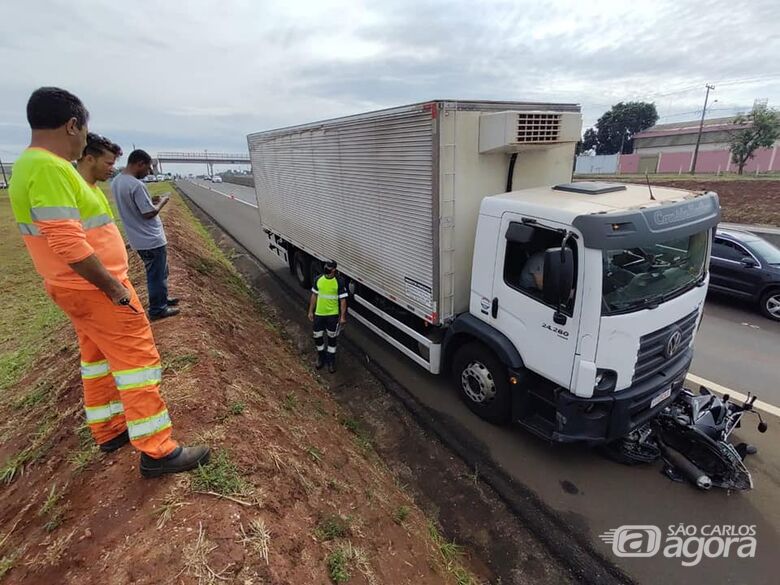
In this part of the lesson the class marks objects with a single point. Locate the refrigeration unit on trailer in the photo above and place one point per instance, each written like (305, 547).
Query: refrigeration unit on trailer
(569, 307)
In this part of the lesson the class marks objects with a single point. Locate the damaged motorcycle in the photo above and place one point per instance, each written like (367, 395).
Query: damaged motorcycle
(692, 438)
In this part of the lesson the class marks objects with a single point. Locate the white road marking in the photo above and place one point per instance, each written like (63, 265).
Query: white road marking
(226, 195)
(733, 393)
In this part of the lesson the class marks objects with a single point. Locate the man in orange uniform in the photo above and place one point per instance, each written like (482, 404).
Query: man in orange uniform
(69, 231)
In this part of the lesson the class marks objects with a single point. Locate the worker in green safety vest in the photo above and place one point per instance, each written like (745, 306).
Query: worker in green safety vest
(328, 313)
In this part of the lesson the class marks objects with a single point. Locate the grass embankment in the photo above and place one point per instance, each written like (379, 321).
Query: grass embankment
(27, 316)
(295, 492)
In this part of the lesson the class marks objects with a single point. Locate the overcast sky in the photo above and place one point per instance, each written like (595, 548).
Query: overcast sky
(189, 75)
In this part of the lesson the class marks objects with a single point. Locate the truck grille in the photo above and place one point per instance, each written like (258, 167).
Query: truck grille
(652, 355)
(535, 128)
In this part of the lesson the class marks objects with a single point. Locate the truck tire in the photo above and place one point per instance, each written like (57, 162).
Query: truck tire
(291, 252)
(482, 381)
(770, 304)
(302, 269)
(316, 269)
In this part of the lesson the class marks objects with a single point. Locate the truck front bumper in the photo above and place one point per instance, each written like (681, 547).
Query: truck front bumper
(602, 419)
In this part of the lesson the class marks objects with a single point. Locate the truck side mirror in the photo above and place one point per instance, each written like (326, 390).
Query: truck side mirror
(558, 275)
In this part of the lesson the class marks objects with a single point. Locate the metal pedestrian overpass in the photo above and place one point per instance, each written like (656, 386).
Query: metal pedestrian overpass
(208, 158)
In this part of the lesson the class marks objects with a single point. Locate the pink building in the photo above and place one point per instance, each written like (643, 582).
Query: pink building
(668, 148)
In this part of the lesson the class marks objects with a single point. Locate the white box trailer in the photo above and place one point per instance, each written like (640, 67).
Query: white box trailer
(393, 196)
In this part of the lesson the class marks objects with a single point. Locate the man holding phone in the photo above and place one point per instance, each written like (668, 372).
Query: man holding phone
(140, 214)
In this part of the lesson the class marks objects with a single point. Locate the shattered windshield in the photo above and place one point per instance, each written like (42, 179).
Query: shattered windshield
(643, 277)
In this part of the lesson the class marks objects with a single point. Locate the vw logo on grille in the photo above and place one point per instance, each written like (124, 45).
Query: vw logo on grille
(673, 343)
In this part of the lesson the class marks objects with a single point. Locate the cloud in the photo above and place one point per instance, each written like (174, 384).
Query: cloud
(203, 74)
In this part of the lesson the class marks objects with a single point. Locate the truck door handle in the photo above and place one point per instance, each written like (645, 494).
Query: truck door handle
(494, 307)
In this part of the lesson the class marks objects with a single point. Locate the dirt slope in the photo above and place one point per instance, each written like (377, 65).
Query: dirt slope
(750, 201)
(295, 493)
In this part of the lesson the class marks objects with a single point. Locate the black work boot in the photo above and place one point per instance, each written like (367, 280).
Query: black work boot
(182, 459)
(332, 366)
(319, 363)
(113, 444)
(168, 312)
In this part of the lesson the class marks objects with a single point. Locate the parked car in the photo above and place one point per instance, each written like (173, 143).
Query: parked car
(150, 179)
(747, 266)
(161, 178)
(216, 179)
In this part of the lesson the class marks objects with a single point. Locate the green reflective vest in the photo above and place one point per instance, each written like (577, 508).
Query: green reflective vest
(329, 292)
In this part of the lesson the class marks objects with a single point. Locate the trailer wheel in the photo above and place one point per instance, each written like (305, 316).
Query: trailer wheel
(483, 384)
(291, 254)
(316, 269)
(302, 269)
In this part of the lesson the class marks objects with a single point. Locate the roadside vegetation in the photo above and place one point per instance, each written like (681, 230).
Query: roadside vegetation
(27, 316)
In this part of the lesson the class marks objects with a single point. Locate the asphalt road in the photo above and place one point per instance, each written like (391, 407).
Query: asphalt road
(735, 348)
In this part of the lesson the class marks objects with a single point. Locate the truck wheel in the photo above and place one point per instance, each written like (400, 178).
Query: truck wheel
(770, 304)
(483, 384)
(316, 269)
(291, 253)
(302, 269)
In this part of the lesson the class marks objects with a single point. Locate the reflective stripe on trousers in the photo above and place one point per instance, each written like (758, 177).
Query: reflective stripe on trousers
(149, 425)
(104, 412)
(138, 377)
(91, 370)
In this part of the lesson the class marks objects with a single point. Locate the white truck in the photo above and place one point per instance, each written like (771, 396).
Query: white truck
(570, 308)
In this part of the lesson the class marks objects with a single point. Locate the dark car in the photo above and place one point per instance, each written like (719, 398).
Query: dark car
(747, 266)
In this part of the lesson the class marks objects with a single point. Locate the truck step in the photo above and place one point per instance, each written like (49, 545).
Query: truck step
(538, 425)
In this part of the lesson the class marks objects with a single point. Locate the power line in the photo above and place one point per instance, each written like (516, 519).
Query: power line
(734, 109)
(727, 82)
(750, 79)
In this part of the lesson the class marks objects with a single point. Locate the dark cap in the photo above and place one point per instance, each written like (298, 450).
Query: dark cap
(330, 265)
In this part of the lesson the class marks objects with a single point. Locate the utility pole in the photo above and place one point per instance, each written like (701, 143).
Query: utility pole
(701, 127)
(5, 179)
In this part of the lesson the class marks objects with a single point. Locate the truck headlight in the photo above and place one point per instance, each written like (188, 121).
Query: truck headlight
(606, 380)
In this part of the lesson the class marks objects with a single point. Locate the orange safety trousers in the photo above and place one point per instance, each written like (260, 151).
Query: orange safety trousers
(120, 369)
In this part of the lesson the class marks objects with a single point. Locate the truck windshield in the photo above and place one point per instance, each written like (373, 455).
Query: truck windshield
(640, 278)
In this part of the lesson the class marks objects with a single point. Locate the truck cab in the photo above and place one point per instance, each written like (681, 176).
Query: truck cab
(585, 301)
